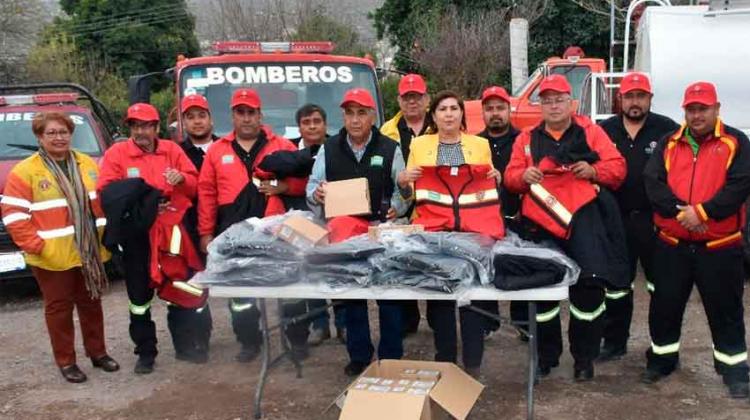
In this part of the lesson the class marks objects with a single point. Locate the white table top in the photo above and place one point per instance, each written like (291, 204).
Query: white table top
(315, 291)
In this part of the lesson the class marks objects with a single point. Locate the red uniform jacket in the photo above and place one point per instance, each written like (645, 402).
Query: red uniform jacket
(458, 199)
(223, 176)
(715, 181)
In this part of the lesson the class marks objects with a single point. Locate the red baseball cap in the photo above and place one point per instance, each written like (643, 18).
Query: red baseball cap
(700, 93)
(412, 83)
(635, 81)
(198, 101)
(495, 92)
(246, 96)
(358, 96)
(556, 83)
(143, 112)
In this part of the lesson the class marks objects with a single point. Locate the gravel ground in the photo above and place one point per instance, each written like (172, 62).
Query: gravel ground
(32, 388)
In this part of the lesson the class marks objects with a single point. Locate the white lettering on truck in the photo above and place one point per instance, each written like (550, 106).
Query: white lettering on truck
(273, 74)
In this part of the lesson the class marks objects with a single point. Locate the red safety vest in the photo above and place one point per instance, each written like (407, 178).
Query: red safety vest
(458, 198)
(552, 203)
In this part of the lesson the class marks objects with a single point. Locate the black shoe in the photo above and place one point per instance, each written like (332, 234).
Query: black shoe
(192, 356)
(611, 353)
(247, 354)
(650, 376)
(106, 364)
(738, 390)
(144, 365)
(73, 374)
(354, 368)
(584, 373)
(474, 372)
(300, 352)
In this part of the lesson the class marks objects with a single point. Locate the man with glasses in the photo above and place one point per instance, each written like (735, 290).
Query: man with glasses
(636, 132)
(408, 123)
(563, 167)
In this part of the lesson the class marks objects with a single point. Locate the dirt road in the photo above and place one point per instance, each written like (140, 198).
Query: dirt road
(31, 387)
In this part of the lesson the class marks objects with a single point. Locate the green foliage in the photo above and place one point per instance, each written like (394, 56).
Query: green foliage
(163, 100)
(319, 27)
(389, 92)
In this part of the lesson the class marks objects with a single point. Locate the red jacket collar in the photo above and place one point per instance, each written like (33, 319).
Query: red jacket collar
(718, 130)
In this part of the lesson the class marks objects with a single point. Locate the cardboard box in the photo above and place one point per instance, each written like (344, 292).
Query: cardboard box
(382, 231)
(302, 232)
(394, 390)
(350, 197)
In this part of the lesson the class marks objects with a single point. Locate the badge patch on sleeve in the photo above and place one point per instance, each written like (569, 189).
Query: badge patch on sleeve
(134, 172)
(376, 161)
(227, 159)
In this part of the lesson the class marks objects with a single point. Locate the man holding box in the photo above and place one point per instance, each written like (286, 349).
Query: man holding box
(360, 150)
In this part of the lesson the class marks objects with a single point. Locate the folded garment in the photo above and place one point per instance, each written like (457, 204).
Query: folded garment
(339, 274)
(472, 247)
(355, 249)
(426, 271)
(515, 272)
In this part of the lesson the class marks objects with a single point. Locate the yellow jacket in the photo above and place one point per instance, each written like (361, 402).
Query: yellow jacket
(390, 128)
(423, 150)
(35, 213)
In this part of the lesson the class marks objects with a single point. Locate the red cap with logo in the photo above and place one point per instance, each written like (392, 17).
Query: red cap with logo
(358, 96)
(555, 83)
(495, 92)
(412, 83)
(700, 93)
(247, 97)
(197, 101)
(635, 81)
(142, 112)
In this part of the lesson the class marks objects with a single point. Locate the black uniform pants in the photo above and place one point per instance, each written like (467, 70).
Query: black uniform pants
(441, 316)
(640, 237)
(585, 328)
(297, 332)
(190, 328)
(245, 321)
(411, 315)
(137, 282)
(718, 274)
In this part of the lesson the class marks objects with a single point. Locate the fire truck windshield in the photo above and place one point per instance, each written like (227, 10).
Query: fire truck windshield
(283, 88)
(18, 141)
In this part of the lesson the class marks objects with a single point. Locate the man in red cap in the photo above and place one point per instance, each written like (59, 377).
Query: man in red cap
(409, 122)
(361, 150)
(580, 161)
(162, 165)
(232, 188)
(636, 132)
(698, 180)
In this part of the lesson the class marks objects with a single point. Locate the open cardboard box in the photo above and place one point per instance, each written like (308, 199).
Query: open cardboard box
(375, 233)
(350, 197)
(302, 233)
(452, 397)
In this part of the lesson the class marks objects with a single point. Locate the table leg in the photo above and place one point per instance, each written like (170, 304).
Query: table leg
(265, 355)
(532, 361)
(285, 348)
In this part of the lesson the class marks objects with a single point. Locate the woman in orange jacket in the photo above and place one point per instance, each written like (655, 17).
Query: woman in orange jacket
(51, 210)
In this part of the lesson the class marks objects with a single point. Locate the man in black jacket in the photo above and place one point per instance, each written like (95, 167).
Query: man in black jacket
(635, 132)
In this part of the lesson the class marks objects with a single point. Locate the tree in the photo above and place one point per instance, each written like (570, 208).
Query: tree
(317, 26)
(20, 21)
(135, 36)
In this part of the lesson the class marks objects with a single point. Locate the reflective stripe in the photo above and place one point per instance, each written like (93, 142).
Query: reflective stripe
(587, 316)
(13, 201)
(549, 315)
(731, 147)
(239, 307)
(669, 348)
(101, 221)
(551, 203)
(617, 295)
(175, 241)
(92, 195)
(478, 197)
(725, 240)
(256, 181)
(15, 217)
(188, 288)
(650, 287)
(49, 204)
(139, 309)
(434, 196)
(730, 360)
(56, 233)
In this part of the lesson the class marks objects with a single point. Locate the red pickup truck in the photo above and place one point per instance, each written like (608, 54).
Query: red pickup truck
(95, 131)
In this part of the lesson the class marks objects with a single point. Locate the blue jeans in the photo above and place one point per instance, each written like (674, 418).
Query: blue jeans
(358, 342)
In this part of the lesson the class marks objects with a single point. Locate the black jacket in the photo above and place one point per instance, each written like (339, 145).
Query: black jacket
(501, 149)
(131, 207)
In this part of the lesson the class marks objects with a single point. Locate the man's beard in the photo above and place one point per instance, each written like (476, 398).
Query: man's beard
(640, 117)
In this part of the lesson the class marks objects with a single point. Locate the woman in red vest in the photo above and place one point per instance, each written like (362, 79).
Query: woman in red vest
(437, 163)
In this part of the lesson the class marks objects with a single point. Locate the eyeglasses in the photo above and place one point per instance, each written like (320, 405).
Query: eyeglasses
(53, 134)
(555, 101)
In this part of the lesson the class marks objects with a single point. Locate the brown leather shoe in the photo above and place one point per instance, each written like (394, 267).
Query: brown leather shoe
(73, 374)
(105, 363)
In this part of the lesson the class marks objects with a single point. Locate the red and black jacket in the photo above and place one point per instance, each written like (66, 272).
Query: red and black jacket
(715, 181)
(227, 187)
(458, 198)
